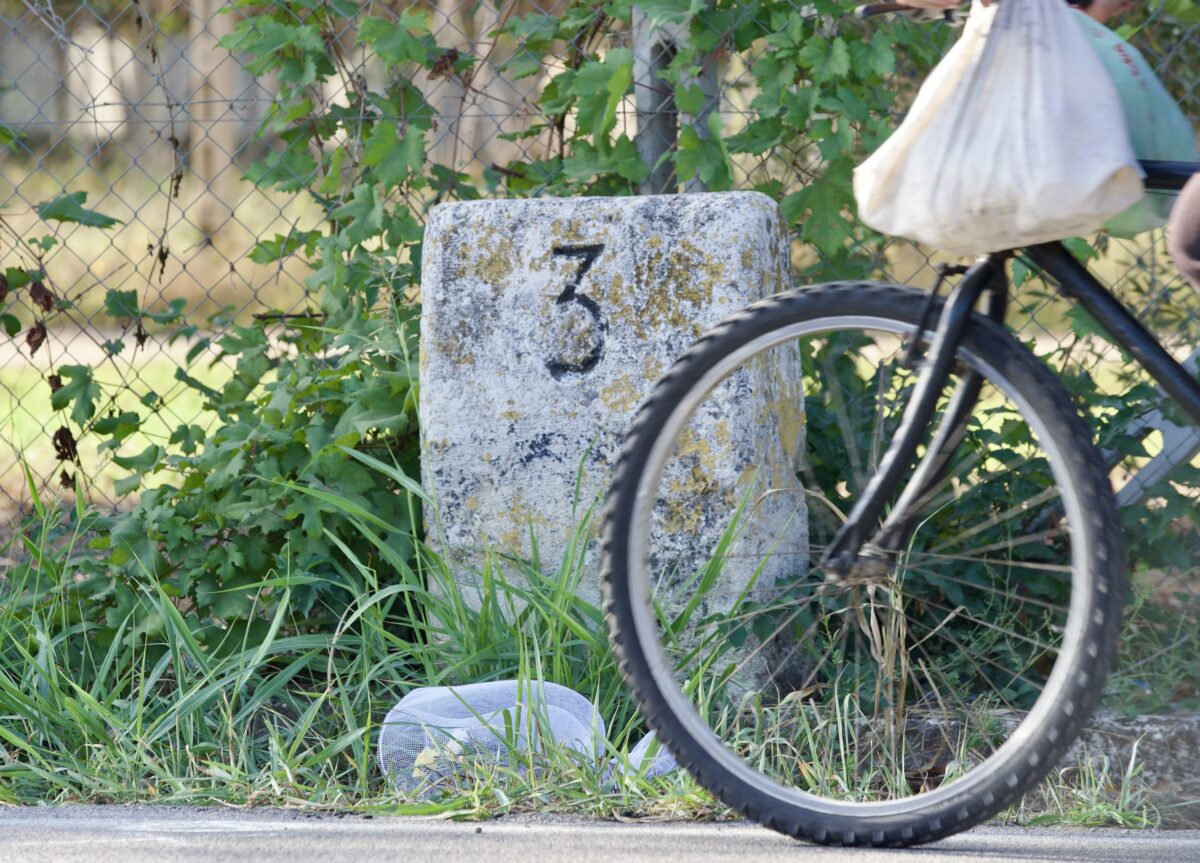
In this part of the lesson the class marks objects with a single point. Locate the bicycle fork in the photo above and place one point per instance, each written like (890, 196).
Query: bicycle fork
(853, 550)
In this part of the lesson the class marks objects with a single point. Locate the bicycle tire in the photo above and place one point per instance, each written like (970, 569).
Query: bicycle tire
(1089, 634)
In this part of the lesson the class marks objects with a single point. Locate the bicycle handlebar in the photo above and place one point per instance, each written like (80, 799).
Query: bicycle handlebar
(869, 10)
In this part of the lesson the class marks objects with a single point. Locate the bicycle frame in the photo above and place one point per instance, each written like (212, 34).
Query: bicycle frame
(851, 552)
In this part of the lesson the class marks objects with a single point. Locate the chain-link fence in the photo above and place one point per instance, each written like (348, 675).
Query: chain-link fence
(136, 104)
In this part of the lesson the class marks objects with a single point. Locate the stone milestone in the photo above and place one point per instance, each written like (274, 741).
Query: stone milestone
(544, 325)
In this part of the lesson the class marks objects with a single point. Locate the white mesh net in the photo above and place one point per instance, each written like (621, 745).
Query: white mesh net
(435, 737)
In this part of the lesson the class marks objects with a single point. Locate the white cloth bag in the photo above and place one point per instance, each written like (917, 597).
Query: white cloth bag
(1017, 137)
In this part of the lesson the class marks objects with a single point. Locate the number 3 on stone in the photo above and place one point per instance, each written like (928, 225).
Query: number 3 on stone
(587, 257)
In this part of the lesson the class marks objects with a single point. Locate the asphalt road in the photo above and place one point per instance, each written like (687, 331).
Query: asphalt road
(100, 834)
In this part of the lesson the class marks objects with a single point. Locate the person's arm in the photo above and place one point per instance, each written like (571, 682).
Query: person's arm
(1099, 10)
(938, 4)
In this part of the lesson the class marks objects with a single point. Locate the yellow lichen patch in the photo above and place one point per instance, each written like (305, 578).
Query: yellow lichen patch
(472, 503)
(684, 502)
(452, 337)
(621, 395)
(576, 230)
(486, 252)
(720, 436)
(452, 349)
(520, 519)
(652, 368)
(672, 287)
(781, 408)
(746, 482)
(686, 492)
(698, 445)
(617, 293)
(511, 415)
(787, 407)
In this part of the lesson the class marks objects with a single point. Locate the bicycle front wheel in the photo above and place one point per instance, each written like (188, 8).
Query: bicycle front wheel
(919, 695)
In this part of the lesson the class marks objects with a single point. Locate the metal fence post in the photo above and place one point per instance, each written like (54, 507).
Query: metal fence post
(658, 118)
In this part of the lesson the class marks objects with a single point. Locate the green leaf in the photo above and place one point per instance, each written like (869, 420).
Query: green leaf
(825, 200)
(186, 379)
(394, 158)
(121, 304)
(69, 208)
(834, 138)
(188, 437)
(522, 65)
(1081, 249)
(1186, 11)
(627, 161)
(282, 246)
(18, 278)
(141, 462)
(362, 215)
(290, 169)
(623, 159)
(171, 314)
(1083, 324)
(774, 76)
(600, 87)
(7, 135)
(758, 137)
(689, 99)
(12, 326)
(80, 391)
(661, 12)
(118, 427)
(825, 60)
(404, 40)
(706, 157)
(231, 469)
(876, 57)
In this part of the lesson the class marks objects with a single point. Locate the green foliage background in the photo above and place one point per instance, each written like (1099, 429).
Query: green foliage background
(235, 633)
(229, 517)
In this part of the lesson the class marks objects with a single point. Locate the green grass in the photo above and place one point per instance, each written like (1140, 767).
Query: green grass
(293, 720)
(1095, 793)
(1158, 664)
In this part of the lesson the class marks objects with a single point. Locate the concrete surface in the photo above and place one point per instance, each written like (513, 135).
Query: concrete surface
(100, 834)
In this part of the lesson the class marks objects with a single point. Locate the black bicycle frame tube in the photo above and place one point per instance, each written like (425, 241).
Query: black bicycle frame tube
(1168, 176)
(929, 473)
(1077, 283)
(843, 552)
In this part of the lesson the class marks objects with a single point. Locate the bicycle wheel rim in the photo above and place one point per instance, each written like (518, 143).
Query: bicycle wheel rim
(661, 667)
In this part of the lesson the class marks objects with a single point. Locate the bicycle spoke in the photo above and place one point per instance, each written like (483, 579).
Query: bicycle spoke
(909, 669)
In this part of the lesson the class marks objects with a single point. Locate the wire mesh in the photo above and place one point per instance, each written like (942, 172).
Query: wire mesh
(136, 104)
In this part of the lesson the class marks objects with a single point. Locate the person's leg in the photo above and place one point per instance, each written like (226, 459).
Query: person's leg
(1183, 232)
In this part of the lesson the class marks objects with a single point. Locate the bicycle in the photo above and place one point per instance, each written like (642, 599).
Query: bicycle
(861, 658)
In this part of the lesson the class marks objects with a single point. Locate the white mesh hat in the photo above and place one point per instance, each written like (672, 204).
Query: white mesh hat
(430, 738)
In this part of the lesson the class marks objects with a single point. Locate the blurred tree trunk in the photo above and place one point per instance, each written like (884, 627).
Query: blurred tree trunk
(215, 130)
